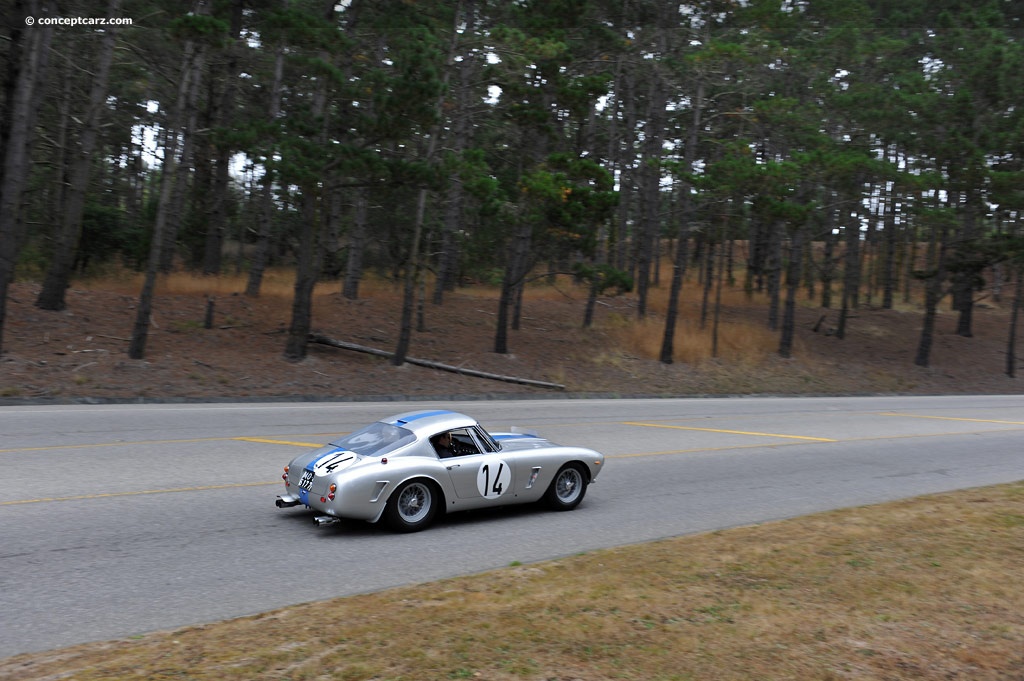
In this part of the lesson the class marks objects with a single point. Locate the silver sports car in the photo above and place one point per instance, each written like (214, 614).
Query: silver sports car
(408, 468)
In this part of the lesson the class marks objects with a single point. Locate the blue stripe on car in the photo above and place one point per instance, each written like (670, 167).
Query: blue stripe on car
(514, 436)
(421, 415)
(312, 465)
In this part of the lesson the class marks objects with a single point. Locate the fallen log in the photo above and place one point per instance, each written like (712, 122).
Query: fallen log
(344, 345)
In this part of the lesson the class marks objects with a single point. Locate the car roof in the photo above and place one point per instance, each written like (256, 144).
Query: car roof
(427, 422)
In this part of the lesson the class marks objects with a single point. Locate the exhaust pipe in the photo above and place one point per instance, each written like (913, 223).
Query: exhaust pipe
(324, 520)
(286, 503)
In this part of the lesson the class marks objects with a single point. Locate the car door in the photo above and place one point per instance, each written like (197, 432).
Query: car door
(482, 473)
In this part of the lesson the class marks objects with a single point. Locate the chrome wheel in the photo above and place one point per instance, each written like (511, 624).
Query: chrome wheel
(567, 489)
(412, 507)
(414, 502)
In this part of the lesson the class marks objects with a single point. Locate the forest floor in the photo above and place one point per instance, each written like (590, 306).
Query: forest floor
(80, 354)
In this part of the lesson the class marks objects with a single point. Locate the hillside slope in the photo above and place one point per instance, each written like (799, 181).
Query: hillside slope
(80, 353)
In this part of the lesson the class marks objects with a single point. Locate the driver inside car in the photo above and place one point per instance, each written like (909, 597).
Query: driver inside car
(444, 445)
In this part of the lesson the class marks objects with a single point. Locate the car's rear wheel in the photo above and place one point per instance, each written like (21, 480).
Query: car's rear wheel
(567, 489)
(412, 507)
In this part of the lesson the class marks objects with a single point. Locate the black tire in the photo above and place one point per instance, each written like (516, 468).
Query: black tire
(568, 488)
(412, 507)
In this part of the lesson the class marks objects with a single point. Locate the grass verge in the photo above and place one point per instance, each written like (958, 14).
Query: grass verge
(927, 588)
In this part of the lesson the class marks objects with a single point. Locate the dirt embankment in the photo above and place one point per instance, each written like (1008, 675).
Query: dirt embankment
(81, 353)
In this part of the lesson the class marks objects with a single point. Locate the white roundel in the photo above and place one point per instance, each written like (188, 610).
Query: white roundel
(493, 478)
(334, 462)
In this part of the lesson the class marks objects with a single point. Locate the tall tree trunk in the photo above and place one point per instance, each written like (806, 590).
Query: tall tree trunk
(828, 267)
(451, 225)
(58, 275)
(597, 279)
(774, 269)
(56, 202)
(306, 272)
(851, 278)
(267, 208)
(517, 301)
(675, 288)
(964, 280)
(622, 151)
(588, 310)
(1011, 343)
(683, 231)
(182, 172)
(190, 70)
(307, 269)
(932, 295)
(796, 247)
(927, 338)
(889, 271)
(265, 214)
(709, 280)
(650, 192)
(412, 272)
(356, 246)
(26, 67)
(448, 260)
(515, 272)
(213, 247)
(717, 317)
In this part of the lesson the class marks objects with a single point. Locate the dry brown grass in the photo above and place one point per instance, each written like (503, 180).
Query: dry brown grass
(740, 337)
(917, 589)
(277, 283)
(618, 355)
(743, 342)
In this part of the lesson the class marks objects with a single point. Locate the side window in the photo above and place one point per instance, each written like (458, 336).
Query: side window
(464, 442)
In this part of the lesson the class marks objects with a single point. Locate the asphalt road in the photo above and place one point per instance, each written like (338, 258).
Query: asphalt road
(121, 519)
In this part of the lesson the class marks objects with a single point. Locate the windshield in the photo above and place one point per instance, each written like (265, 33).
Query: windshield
(376, 439)
(489, 442)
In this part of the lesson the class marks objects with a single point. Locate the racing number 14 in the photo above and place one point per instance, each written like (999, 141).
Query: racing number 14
(493, 479)
(498, 488)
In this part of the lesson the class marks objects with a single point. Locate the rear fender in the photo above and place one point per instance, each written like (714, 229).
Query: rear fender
(439, 486)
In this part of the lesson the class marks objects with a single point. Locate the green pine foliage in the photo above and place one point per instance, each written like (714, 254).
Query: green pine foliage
(551, 131)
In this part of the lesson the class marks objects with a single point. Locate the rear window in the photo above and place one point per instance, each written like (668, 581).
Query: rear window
(376, 439)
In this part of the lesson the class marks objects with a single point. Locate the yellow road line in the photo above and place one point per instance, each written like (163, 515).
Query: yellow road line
(951, 418)
(698, 450)
(114, 444)
(278, 442)
(164, 442)
(878, 438)
(108, 495)
(730, 432)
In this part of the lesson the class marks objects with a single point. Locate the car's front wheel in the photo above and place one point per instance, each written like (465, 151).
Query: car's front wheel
(567, 489)
(412, 507)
